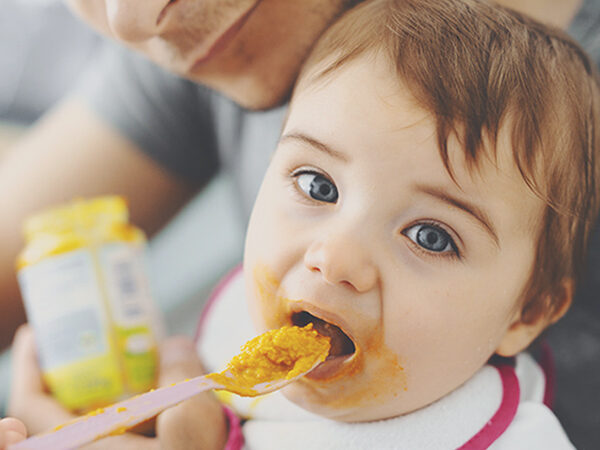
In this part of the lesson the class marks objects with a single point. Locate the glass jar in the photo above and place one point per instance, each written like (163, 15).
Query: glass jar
(82, 274)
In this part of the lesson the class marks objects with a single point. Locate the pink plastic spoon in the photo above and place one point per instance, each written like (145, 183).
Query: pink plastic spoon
(117, 418)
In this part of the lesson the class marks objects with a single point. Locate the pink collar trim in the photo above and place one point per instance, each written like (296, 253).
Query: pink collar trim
(505, 413)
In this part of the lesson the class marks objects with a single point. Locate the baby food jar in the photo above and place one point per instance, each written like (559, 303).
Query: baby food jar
(83, 280)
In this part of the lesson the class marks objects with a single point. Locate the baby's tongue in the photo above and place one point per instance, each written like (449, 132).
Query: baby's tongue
(341, 344)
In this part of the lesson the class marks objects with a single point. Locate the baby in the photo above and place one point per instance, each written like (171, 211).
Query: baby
(427, 207)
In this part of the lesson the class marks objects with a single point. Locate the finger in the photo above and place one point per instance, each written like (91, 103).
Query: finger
(12, 424)
(178, 426)
(26, 372)
(28, 399)
(178, 360)
(11, 431)
(127, 441)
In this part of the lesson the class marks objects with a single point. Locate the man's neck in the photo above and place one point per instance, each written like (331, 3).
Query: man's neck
(559, 13)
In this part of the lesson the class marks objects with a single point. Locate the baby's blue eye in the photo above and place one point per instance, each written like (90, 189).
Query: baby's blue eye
(317, 186)
(431, 238)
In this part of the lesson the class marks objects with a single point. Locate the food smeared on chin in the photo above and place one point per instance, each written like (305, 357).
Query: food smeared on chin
(277, 354)
(341, 344)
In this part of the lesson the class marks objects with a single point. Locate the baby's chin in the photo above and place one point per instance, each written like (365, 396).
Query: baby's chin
(316, 404)
(327, 405)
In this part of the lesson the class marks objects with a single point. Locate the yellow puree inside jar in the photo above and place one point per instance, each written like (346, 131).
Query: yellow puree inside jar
(277, 354)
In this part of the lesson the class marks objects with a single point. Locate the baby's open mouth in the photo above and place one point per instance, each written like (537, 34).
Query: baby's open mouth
(341, 345)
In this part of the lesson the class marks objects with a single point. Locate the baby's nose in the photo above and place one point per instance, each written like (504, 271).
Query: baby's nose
(133, 20)
(342, 261)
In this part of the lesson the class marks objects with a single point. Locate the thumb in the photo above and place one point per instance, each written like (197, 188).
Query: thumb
(26, 372)
(178, 360)
(11, 431)
(29, 400)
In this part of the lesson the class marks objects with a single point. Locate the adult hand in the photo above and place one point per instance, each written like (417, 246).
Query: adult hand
(177, 427)
(29, 400)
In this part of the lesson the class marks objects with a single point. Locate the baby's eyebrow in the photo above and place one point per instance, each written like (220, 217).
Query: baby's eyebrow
(315, 143)
(476, 212)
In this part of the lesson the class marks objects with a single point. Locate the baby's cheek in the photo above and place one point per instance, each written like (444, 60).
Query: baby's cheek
(267, 310)
(388, 374)
(375, 383)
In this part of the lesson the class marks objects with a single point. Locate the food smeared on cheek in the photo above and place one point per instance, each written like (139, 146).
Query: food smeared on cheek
(277, 354)
(376, 377)
(392, 369)
(370, 374)
(272, 310)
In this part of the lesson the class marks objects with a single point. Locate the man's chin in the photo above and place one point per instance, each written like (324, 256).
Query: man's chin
(257, 98)
(251, 94)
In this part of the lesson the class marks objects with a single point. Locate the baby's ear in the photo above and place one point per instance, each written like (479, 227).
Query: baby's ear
(522, 333)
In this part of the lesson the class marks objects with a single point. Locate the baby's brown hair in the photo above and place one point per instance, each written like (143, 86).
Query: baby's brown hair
(478, 68)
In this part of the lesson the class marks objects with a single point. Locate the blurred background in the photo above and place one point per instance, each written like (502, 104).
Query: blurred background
(44, 50)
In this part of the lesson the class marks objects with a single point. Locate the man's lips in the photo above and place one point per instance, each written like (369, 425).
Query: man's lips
(341, 344)
(164, 12)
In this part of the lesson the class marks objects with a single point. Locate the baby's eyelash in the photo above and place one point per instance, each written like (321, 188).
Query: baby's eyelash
(291, 179)
(320, 188)
(453, 254)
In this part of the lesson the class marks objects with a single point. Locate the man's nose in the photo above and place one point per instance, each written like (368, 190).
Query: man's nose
(342, 259)
(134, 20)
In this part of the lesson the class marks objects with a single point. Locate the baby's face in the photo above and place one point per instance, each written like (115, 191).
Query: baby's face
(359, 228)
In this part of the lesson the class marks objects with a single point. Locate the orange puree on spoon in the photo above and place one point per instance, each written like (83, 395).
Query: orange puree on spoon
(283, 353)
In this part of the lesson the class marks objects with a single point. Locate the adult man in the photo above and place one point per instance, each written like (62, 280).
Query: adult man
(155, 138)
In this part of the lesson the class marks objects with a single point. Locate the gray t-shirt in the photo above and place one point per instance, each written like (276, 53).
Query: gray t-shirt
(187, 128)
(196, 132)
